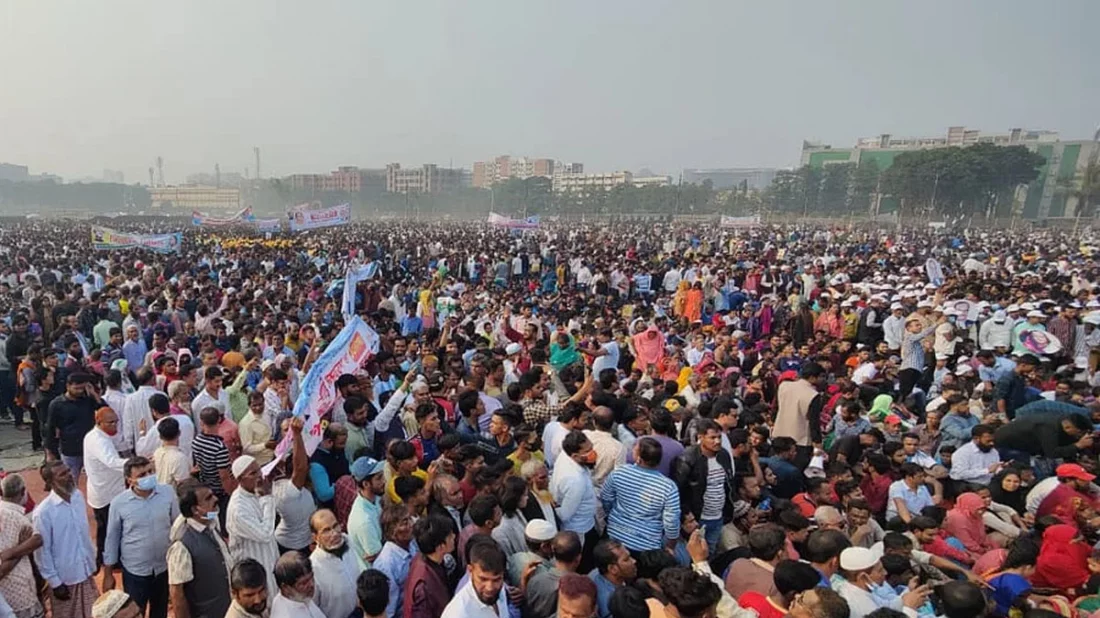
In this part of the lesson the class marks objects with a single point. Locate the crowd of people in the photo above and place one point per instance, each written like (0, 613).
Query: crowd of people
(617, 420)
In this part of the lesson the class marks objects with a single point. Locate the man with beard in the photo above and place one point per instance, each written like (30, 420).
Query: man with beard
(70, 418)
(66, 559)
(483, 596)
(334, 567)
(248, 583)
(975, 462)
(294, 577)
(572, 489)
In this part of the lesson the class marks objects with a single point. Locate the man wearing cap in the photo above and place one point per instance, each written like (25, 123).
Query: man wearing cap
(1034, 322)
(861, 574)
(1070, 497)
(115, 604)
(365, 519)
(250, 520)
(893, 327)
(538, 533)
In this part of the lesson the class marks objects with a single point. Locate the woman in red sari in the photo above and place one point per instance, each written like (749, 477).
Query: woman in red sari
(1063, 560)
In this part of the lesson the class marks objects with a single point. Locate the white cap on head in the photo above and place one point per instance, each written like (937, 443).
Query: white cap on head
(857, 559)
(539, 530)
(241, 464)
(108, 603)
(513, 348)
(1034, 313)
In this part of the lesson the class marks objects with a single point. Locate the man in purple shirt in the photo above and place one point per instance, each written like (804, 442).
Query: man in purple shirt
(664, 428)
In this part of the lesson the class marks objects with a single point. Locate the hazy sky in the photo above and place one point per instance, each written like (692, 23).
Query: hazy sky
(616, 84)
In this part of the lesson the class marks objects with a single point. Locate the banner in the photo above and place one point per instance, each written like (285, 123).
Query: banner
(108, 239)
(530, 223)
(345, 354)
(198, 218)
(739, 222)
(351, 281)
(269, 225)
(301, 219)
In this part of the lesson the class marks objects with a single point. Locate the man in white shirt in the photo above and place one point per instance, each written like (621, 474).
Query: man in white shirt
(893, 327)
(296, 586)
(607, 356)
(335, 568)
(211, 396)
(137, 408)
(976, 462)
(66, 559)
(250, 518)
(483, 595)
(117, 400)
(149, 440)
(860, 573)
(104, 468)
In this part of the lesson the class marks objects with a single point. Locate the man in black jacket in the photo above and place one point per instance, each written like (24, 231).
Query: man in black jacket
(1048, 435)
(704, 474)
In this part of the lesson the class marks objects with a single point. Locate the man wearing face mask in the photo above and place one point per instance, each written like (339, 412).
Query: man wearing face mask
(198, 560)
(861, 573)
(66, 559)
(334, 567)
(572, 489)
(105, 471)
(137, 538)
(249, 583)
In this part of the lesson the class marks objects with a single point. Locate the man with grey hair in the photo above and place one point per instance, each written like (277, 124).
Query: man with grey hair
(828, 518)
(294, 577)
(18, 541)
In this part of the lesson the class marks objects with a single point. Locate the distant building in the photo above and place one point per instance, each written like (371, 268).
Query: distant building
(584, 183)
(184, 199)
(883, 148)
(348, 179)
(14, 173)
(1048, 197)
(499, 169)
(652, 181)
(114, 176)
(428, 178)
(757, 178)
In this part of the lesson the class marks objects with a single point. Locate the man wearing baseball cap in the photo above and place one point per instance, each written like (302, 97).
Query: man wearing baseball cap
(1070, 496)
(365, 520)
(861, 575)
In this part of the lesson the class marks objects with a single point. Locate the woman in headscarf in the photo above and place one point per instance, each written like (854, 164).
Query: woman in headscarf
(881, 407)
(693, 306)
(1005, 489)
(679, 300)
(964, 522)
(1063, 560)
(830, 322)
(649, 348)
(1003, 523)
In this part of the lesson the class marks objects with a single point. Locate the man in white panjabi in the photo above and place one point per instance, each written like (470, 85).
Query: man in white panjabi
(250, 518)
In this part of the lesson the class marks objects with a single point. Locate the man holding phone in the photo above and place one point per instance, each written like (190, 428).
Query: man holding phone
(70, 418)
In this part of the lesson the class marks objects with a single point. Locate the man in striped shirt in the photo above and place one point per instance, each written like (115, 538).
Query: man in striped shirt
(212, 458)
(643, 505)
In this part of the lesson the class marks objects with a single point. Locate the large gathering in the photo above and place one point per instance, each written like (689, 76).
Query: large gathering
(579, 420)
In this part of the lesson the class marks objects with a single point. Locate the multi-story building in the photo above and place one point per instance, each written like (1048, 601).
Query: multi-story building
(187, 198)
(1048, 196)
(585, 183)
(428, 178)
(499, 169)
(757, 178)
(347, 179)
(652, 181)
(14, 173)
